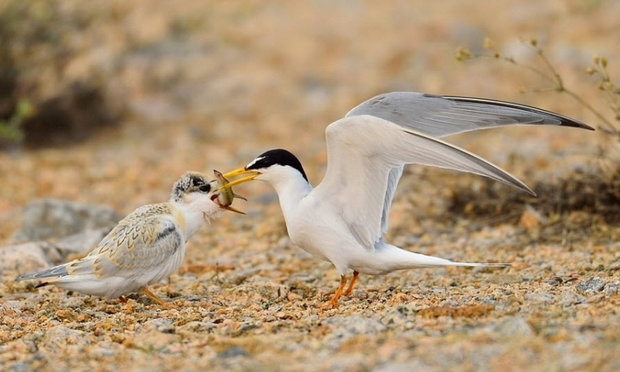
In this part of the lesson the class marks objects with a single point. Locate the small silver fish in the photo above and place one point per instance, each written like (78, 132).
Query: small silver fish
(226, 195)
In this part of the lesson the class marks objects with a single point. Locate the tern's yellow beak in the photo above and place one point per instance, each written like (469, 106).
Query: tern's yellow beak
(246, 175)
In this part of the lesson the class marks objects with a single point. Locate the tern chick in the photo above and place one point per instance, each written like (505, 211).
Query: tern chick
(145, 247)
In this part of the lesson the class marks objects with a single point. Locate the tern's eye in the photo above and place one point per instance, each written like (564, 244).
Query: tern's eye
(205, 188)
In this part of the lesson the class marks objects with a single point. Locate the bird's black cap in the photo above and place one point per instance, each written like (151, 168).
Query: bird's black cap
(276, 156)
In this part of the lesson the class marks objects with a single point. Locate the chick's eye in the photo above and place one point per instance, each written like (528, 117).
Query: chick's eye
(205, 188)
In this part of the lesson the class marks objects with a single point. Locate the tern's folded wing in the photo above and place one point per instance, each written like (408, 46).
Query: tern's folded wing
(132, 247)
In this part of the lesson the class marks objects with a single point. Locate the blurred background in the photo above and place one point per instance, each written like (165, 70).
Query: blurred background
(109, 102)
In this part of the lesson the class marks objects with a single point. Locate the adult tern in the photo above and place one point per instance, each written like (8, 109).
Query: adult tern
(344, 218)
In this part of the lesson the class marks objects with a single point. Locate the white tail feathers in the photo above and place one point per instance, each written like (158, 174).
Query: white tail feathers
(394, 258)
(479, 264)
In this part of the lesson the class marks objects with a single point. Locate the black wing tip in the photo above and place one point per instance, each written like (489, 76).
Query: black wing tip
(564, 121)
(523, 187)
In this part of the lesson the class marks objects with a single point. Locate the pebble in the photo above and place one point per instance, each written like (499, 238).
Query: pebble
(24, 258)
(345, 327)
(513, 326)
(154, 340)
(412, 365)
(105, 351)
(52, 219)
(158, 324)
(569, 298)
(57, 338)
(612, 289)
(591, 286)
(233, 352)
(545, 298)
(197, 326)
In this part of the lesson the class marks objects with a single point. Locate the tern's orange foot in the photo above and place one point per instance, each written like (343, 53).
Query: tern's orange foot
(334, 301)
(351, 284)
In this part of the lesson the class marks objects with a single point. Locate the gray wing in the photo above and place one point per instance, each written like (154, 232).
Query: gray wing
(366, 153)
(441, 116)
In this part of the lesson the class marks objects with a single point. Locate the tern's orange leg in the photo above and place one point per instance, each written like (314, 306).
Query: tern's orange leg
(352, 283)
(332, 303)
(153, 297)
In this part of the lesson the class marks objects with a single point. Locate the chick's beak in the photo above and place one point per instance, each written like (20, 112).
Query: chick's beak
(246, 175)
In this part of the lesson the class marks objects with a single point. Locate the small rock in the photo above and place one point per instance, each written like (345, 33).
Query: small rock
(20, 366)
(232, 352)
(197, 326)
(591, 286)
(24, 258)
(356, 324)
(513, 326)
(158, 324)
(106, 351)
(612, 289)
(555, 281)
(545, 298)
(281, 315)
(345, 327)
(13, 305)
(248, 326)
(154, 340)
(57, 338)
(571, 298)
(239, 276)
(49, 219)
(412, 365)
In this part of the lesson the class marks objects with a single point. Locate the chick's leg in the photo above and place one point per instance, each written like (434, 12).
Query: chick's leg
(153, 297)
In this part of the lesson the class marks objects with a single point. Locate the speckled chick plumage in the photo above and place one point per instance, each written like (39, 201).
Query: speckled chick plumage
(145, 247)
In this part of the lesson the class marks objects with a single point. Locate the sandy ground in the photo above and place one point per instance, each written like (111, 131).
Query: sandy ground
(211, 85)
